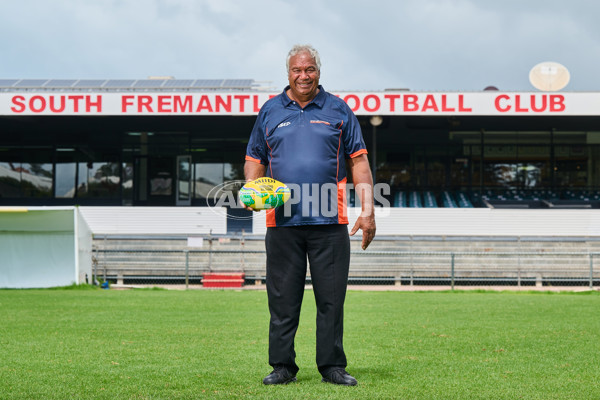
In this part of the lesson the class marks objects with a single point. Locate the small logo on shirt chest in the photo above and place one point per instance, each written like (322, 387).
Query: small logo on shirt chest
(281, 125)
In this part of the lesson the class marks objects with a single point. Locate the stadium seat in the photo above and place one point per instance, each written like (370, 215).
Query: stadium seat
(448, 201)
(463, 200)
(400, 200)
(429, 199)
(415, 200)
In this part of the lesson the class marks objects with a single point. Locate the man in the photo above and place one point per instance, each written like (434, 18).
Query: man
(303, 138)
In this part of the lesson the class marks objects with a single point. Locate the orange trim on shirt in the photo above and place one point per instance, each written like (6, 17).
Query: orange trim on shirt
(271, 223)
(358, 153)
(248, 158)
(342, 209)
(271, 218)
(337, 156)
(270, 152)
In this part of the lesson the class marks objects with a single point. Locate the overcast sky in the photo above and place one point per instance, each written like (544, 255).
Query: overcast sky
(423, 45)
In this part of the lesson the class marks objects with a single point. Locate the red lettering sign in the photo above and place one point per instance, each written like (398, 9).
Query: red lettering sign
(255, 104)
(204, 105)
(53, 106)
(37, 104)
(411, 102)
(500, 101)
(242, 99)
(164, 103)
(518, 107)
(534, 106)
(392, 98)
(183, 106)
(557, 103)
(355, 99)
(461, 104)
(535, 103)
(445, 107)
(430, 103)
(19, 106)
(235, 103)
(75, 100)
(371, 99)
(126, 101)
(144, 102)
(226, 105)
(96, 104)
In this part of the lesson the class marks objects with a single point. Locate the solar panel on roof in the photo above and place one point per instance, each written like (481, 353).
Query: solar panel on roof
(237, 83)
(119, 83)
(8, 82)
(148, 83)
(66, 83)
(90, 83)
(183, 83)
(31, 82)
(208, 83)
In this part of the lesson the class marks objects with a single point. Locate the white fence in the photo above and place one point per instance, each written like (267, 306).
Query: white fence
(155, 220)
(390, 221)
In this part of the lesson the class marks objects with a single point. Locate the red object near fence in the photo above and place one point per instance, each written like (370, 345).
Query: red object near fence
(223, 279)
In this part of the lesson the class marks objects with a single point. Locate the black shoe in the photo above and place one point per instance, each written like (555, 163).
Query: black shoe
(339, 377)
(279, 376)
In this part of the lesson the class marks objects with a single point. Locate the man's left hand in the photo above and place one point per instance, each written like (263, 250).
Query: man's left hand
(367, 224)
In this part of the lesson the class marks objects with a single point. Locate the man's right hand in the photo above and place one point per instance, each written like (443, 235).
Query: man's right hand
(252, 171)
(249, 208)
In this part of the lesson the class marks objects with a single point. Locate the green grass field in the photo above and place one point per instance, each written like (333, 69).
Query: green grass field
(157, 344)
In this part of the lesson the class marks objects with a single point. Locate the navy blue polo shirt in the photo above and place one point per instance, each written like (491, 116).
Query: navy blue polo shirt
(306, 149)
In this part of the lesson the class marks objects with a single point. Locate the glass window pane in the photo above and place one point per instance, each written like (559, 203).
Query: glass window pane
(127, 184)
(82, 178)
(65, 180)
(99, 180)
(160, 173)
(10, 179)
(571, 173)
(436, 172)
(207, 176)
(183, 177)
(234, 171)
(36, 179)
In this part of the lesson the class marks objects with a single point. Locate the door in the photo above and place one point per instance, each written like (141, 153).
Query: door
(183, 186)
(154, 181)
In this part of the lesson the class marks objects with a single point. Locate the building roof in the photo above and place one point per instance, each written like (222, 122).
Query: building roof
(122, 85)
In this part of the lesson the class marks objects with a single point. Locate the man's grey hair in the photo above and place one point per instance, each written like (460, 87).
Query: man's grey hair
(301, 48)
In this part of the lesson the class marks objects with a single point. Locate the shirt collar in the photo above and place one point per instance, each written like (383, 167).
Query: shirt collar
(319, 99)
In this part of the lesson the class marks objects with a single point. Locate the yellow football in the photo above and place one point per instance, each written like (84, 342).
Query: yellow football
(264, 193)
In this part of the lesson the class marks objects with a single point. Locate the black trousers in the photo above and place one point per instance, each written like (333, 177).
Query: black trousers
(328, 251)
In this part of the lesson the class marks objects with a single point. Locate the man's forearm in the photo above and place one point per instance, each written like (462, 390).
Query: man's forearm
(254, 170)
(363, 184)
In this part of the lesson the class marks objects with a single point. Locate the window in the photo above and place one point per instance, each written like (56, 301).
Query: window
(26, 173)
(99, 180)
(206, 177)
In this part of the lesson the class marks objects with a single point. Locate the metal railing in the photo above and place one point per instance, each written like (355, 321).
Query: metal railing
(130, 262)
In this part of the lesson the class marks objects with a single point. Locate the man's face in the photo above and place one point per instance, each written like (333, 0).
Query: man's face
(303, 76)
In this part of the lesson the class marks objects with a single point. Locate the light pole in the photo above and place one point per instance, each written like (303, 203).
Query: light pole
(375, 121)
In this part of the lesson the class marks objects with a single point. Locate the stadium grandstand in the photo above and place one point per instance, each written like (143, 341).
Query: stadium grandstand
(129, 142)
(141, 156)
